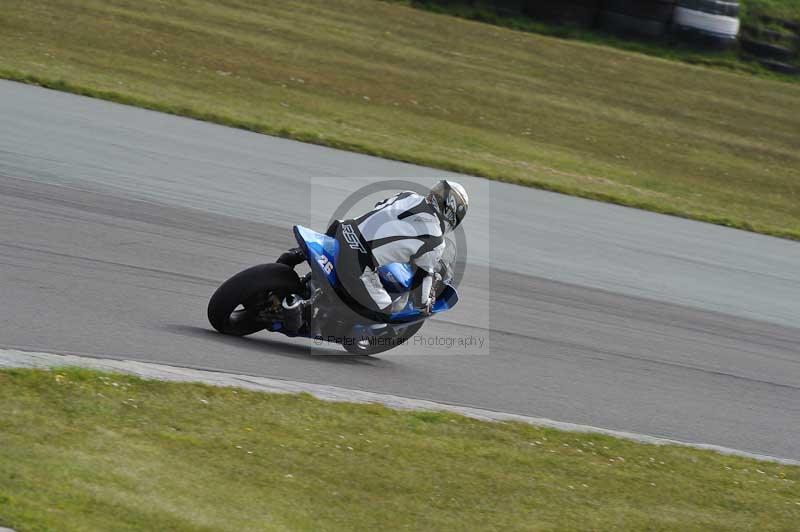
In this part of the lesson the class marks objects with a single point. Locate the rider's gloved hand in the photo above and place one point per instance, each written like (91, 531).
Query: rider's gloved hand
(426, 294)
(427, 307)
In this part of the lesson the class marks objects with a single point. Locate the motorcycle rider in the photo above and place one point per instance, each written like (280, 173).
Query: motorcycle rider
(405, 228)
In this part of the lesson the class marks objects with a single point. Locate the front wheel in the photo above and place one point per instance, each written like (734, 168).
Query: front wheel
(365, 347)
(234, 307)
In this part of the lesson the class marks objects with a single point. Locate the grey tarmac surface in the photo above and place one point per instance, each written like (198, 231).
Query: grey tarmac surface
(116, 225)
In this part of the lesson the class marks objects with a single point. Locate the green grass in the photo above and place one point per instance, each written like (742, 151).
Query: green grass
(83, 451)
(407, 84)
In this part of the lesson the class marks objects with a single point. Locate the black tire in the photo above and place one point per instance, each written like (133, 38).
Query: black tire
(777, 66)
(627, 25)
(575, 12)
(699, 27)
(701, 39)
(368, 350)
(766, 50)
(715, 7)
(788, 24)
(770, 36)
(642, 9)
(509, 6)
(245, 288)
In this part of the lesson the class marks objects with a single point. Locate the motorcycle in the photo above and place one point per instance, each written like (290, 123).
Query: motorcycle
(275, 298)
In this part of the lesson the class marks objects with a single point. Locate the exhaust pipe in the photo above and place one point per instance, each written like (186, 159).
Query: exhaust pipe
(293, 312)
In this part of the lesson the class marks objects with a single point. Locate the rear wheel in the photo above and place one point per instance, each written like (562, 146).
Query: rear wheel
(234, 307)
(365, 347)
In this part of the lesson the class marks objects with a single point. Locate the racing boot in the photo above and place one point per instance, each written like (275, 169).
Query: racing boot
(292, 258)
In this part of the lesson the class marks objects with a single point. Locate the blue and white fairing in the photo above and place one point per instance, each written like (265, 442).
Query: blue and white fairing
(321, 251)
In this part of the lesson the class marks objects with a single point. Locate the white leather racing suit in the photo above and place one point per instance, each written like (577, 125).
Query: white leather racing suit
(404, 228)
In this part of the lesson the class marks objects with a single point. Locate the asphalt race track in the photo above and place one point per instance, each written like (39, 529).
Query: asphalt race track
(116, 225)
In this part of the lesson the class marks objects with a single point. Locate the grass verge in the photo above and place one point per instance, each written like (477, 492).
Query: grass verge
(392, 81)
(84, 450)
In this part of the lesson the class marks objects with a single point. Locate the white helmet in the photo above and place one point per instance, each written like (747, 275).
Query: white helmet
(450, 201)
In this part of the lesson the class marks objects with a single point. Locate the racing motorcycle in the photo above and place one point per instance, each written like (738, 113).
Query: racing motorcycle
(275, 298)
